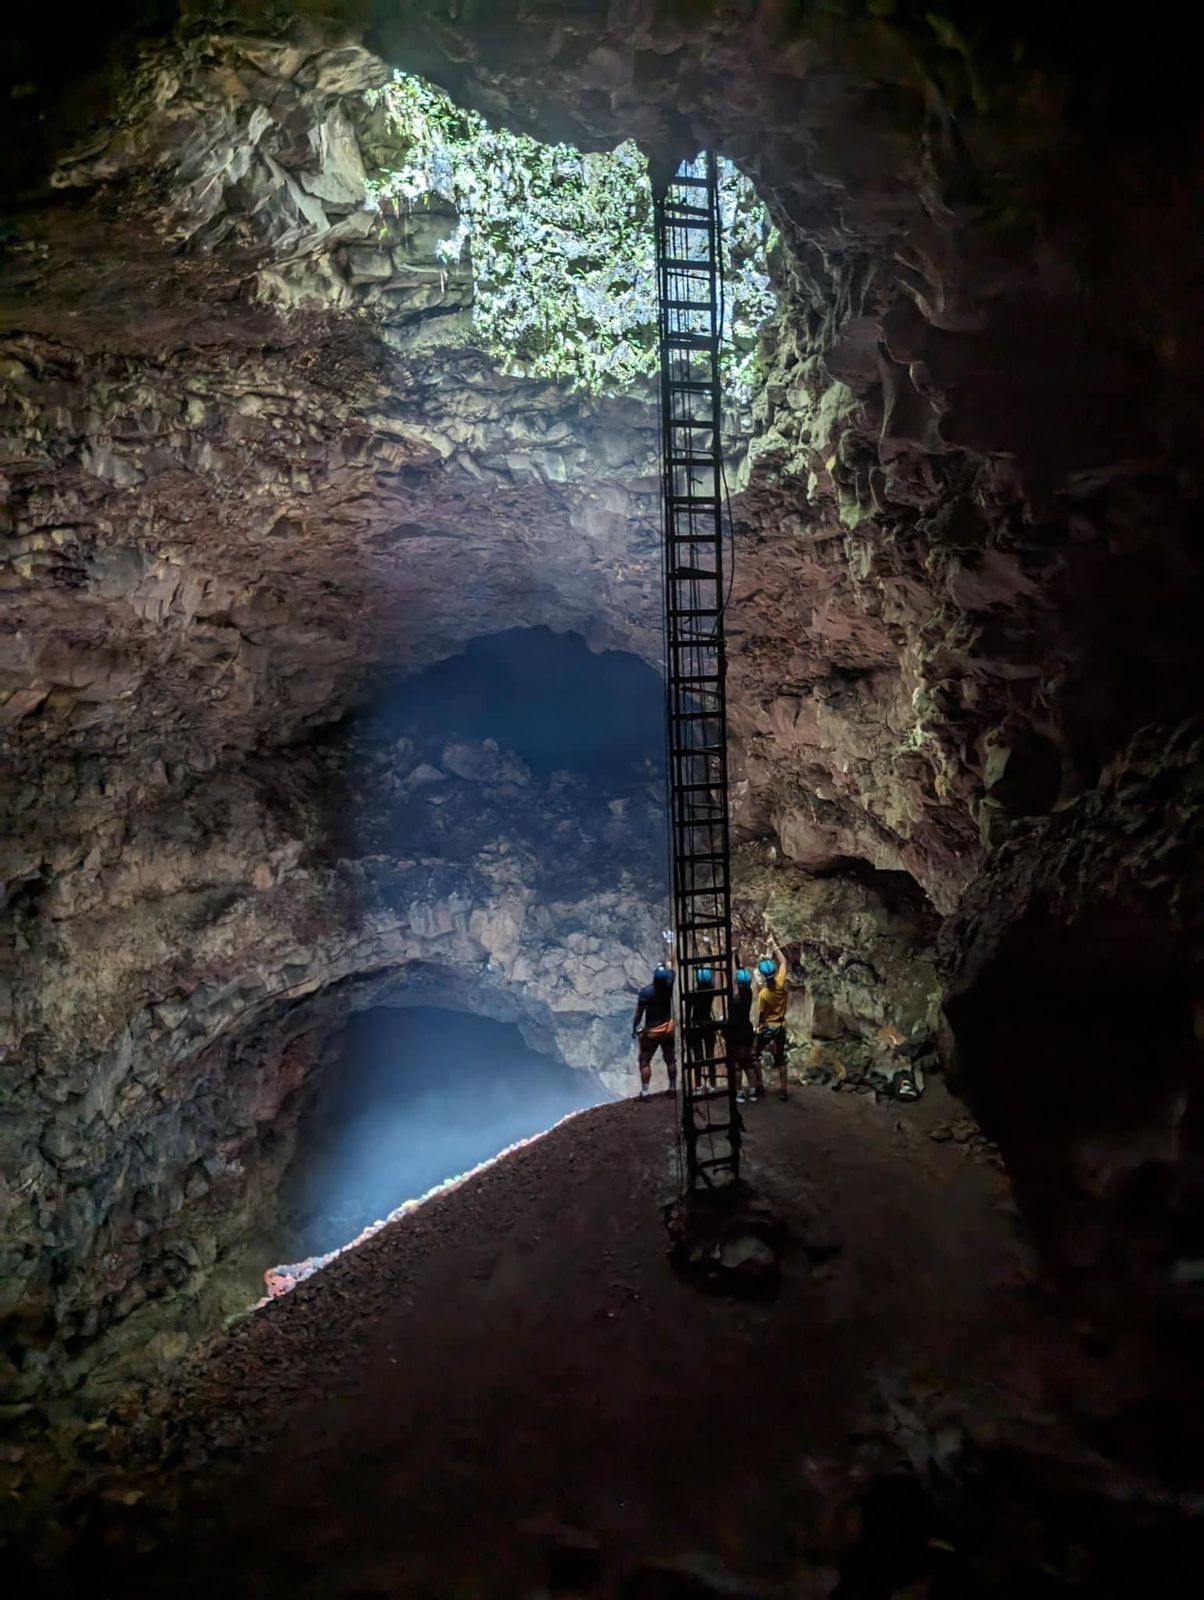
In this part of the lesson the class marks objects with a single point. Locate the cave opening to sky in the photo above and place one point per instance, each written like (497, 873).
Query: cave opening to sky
(559, 241)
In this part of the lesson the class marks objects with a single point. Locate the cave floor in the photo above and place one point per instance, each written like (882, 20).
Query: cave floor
(512, 1393)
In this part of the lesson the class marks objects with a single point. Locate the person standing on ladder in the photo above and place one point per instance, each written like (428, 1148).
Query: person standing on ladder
(652, 1025)
(771, 1012)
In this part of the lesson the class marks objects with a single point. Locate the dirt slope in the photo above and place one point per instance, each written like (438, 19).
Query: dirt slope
(513, 1392)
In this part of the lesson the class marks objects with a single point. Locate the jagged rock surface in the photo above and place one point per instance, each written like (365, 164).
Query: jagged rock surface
(250, 459)
(1074, 1010)
(189, 970)
(288, 470)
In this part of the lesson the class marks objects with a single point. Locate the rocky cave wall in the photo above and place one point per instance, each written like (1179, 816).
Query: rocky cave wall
(237, 929)
(252, 461)
(251, 458)
(965, 640)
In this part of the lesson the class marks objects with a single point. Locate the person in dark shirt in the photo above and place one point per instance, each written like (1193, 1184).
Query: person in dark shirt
(741, 1039)
(701, 1027)
(652, 1027)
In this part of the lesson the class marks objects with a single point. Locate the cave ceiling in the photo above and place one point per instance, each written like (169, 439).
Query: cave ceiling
(240, 465)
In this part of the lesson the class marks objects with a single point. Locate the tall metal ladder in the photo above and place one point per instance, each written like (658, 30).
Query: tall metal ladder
(688, 243)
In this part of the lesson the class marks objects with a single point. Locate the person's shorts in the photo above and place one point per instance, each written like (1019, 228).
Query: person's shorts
(773, 1039)
(649, 1043)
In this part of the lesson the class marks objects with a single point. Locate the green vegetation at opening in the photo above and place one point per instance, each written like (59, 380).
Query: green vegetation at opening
(561, 243)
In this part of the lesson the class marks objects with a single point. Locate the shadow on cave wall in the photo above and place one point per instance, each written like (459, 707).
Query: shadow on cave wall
(1084, 1070)
(409, 1097)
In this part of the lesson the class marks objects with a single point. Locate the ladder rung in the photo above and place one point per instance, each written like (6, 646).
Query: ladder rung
(685, 181)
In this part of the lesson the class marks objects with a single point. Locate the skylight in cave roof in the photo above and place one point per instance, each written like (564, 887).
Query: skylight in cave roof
(561, 243)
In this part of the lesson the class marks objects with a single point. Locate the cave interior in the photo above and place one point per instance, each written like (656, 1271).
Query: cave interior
(333, 789)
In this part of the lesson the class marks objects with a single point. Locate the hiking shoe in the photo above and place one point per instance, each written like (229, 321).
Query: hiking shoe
(741, 1097)
(645, 1093)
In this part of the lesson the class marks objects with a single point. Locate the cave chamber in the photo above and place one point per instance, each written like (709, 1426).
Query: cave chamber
(314, 473)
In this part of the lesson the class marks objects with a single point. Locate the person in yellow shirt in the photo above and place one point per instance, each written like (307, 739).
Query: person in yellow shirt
(772, 999)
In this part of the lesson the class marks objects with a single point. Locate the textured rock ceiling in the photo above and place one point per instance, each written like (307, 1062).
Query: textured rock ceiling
(245, 472)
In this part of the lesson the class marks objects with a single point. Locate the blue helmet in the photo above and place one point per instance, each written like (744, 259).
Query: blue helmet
(705, 975)
(663, 974)
(743, 977)
(766, 967)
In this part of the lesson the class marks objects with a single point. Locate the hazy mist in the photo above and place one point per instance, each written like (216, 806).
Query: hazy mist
(419, 1095)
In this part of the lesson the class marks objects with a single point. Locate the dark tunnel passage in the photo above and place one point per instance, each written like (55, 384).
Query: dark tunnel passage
(546, 696)
(411, 1097)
